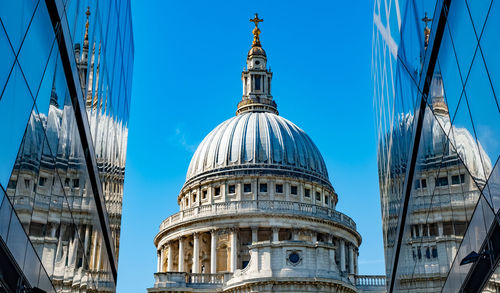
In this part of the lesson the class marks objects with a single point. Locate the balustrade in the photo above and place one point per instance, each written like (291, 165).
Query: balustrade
(192, 278)
(259, 206)
(370, 281)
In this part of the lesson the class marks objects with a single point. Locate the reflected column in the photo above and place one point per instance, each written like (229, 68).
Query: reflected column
(351, 259)
(342, 255)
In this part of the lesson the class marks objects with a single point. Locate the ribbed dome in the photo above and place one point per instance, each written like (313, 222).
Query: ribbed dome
(257, 138)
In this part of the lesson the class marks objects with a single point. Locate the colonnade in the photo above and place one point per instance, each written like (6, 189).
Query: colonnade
(347, 252)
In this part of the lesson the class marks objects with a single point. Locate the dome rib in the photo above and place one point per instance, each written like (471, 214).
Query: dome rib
(261, 138)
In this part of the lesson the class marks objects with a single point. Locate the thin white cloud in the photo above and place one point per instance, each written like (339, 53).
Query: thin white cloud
(179, 138)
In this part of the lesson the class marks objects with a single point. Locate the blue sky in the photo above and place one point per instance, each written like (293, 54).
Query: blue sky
(188, 61)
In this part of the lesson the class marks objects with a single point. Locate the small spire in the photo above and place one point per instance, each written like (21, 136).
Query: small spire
(86, 38)
(256, 30)
(427, 30)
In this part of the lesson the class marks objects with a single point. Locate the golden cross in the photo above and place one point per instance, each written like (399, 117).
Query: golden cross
(256, 20)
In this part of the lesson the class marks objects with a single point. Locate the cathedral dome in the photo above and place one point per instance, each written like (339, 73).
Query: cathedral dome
(258, 139)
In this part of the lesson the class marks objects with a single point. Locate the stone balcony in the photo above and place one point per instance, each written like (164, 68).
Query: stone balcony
(200, 282)
(259, 207)
(179, 280)
(365, 283)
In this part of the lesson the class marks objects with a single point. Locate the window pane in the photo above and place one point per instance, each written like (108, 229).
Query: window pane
(16, 16)
(15, 108)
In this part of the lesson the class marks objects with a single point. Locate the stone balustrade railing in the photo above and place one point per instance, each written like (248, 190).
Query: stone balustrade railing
(370, 281)
(446, 199)
(261, 206)
(192, 278)
(218, 280)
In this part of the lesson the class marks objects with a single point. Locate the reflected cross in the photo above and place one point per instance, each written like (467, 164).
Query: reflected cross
(426, 19)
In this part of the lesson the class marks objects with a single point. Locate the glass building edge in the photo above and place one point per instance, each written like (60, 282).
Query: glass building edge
(385, 157)
(72, 75)
(27, 259)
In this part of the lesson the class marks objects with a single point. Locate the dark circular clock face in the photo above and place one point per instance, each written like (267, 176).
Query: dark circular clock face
(257, 62)
(294, 257)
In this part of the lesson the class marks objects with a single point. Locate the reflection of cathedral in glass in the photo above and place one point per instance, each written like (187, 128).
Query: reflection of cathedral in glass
(443, 198)
(437, 122)
(73, 238)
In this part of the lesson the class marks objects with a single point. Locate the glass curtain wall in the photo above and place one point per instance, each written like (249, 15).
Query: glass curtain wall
(53, 220)
(436, 80)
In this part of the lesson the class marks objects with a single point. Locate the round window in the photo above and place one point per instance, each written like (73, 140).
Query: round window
(294, 257)
(257, 62)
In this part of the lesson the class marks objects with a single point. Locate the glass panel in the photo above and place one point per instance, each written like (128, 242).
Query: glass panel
(36, 48)
(478, 12)
(450, 73)
(15, 108)
(31, 267)
(472, 241)
(490, 42)
(15, 16)
(485, 114)
(7, 58)
(5, 211)
(462, 35)
(492, 189)
(16, 239)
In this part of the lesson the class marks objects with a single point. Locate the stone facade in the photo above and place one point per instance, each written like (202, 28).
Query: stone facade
(257, 210)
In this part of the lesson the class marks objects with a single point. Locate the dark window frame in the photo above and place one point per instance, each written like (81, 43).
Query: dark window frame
(263, 187)
(279, 188)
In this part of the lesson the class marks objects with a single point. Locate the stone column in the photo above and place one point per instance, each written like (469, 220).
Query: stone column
(276, 231)
(356, 262)
(170, 259)
(196, 253)
(87, 238)
(234, 249)
(333, 265)
(162, 258)
(440, 228)
(342, 255)
(213, 252)
(93, 255)
(99, 254)
(255, 234)
(351, 259)
(181, 255)
(158, 254)
(314, 237)
(295, 234)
